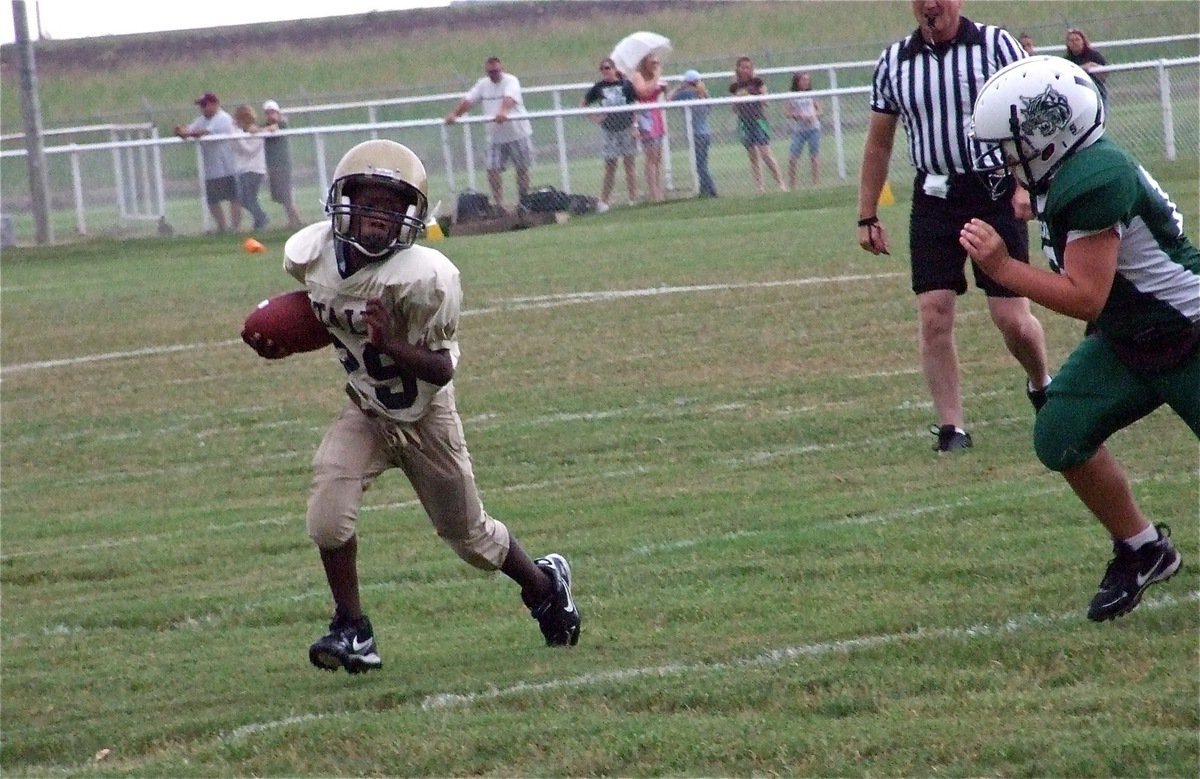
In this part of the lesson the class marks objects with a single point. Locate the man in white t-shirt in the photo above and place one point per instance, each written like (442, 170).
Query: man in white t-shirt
(220, 169)
(509, 138)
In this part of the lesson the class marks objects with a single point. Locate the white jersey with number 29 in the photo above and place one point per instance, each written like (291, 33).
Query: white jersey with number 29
(421, 285)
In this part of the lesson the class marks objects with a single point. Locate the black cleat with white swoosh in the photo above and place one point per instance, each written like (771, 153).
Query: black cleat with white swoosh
(1130, 572)
(557, 616)
(349, 644)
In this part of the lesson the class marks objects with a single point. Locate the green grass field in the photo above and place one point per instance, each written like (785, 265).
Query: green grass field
(712, 407)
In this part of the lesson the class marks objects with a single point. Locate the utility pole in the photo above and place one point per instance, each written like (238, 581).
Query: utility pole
(31, 110)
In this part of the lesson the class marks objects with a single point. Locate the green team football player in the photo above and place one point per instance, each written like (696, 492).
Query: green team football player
(1119, 261)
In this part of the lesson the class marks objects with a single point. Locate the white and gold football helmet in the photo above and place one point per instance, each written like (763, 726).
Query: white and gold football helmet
(1032, 114)
(378, 162)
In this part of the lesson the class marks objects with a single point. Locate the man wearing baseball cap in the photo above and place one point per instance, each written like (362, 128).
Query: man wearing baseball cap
(279, 162)
(220, 171)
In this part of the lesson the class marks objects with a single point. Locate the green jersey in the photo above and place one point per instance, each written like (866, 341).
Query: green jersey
(1155, 297)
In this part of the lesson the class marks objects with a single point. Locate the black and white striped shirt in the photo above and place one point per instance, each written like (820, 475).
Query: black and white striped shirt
(933, 88)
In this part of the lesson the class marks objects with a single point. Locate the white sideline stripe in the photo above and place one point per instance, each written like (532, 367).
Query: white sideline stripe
(258, 727)
(864, 519)
(513, 304)
(774, 657)
(214, 619)
(283, 520)
(688, 543)
(769, 658)
(568, 298)
(146, 352)
(113, 543)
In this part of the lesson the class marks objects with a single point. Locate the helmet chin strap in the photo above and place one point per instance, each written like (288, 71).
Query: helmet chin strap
(368, 254)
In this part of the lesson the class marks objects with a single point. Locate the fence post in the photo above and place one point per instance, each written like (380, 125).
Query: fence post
(448, 158)
(1168, 114)
(469, 149)
(691, 136)
(839, 140)
(561, 136)
(205, 218)
(118, 176)
(131, 155)
(144, 167)
(156, 157)
(77, 187)
(373, 119)
(668, 170)
(322, 174)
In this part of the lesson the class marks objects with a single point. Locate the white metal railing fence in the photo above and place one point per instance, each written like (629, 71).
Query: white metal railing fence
(115, 187)
(548, 97)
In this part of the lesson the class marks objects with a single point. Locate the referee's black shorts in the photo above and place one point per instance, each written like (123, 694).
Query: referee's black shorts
(938, 260)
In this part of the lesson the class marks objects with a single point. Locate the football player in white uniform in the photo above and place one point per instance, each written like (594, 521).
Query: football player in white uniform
(1120, 261)
(392, 308)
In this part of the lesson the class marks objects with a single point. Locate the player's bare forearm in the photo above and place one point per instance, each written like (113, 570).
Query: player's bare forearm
(1080, 292)
(427, 365)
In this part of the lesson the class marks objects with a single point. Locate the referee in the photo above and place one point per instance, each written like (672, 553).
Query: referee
(928, 81)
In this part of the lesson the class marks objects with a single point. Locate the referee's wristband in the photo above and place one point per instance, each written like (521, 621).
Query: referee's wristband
(868, 221)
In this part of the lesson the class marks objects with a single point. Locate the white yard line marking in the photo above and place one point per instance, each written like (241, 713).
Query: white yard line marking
(282, 520)
(766, 659)
(779, 656)
(149, 351)
(688, 543)
(258, 727)
(514, 304)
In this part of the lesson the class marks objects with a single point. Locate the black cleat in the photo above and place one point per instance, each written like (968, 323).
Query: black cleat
(950, 439)
(348, 644)
(557, 616)
(1130, 572)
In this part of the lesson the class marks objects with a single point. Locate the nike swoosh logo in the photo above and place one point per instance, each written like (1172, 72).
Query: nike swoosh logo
(357, 647)
(1142, 578)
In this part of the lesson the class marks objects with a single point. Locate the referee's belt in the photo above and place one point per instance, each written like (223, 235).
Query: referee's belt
(958, 186)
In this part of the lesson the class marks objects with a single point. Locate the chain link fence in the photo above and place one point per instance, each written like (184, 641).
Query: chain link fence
(128, 181)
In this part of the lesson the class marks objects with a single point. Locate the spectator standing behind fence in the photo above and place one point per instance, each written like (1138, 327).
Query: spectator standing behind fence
(220, 173)
(251, 161)
(279, 162)
(930, 78)
(753, 127)
(804, 116)
(616, 129)
(1080, 51)
(509, 137)
(693, 88)
(651, 124)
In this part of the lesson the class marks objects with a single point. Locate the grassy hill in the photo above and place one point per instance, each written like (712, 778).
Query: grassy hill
(154, 77)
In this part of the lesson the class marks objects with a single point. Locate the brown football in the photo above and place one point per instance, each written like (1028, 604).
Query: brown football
(283, 325)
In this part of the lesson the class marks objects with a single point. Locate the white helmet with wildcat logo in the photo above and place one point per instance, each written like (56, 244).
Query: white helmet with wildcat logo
(1031, 115)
